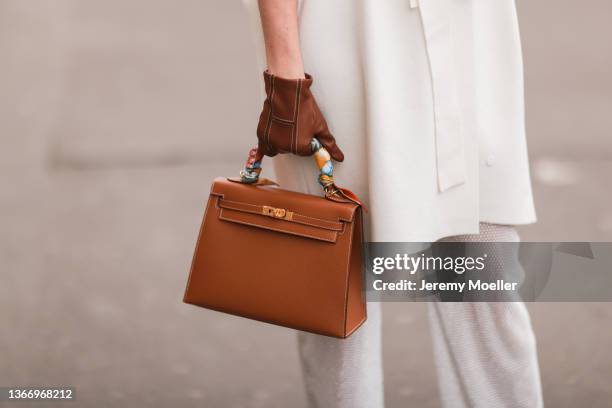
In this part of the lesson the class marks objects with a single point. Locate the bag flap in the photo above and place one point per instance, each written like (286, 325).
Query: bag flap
(305, 208)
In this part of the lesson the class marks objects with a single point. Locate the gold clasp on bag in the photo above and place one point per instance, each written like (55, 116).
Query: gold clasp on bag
(280, 213)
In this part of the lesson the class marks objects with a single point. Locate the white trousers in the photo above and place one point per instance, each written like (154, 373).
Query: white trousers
(484, 353)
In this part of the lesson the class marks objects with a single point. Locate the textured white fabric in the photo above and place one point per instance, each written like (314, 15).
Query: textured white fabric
(344, 373)
(388, 76)
(484, 353)
(488, 233)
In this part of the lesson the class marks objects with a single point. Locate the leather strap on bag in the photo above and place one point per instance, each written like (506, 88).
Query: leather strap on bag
(252, 169)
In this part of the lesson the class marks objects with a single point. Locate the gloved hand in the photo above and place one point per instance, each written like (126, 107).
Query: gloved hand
(291, 118)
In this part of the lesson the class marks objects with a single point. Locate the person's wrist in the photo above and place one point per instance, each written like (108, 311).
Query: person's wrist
(287, 73)
(288, 70)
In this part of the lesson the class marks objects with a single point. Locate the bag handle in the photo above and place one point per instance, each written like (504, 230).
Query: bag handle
(252, 169)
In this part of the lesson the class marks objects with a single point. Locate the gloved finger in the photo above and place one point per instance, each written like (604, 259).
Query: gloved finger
(329, 142)
(264, 149)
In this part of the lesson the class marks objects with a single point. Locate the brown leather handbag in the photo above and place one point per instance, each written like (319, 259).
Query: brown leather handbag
(279, 256)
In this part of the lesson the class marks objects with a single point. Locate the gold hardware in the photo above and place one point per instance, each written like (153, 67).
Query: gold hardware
(280, 213)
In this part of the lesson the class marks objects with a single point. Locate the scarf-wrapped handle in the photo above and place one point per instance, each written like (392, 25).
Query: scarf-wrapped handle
(252, 170)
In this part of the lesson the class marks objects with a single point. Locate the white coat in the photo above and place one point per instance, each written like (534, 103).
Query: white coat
(426, 100)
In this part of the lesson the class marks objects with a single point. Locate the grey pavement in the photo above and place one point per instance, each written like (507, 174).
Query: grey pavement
(106, 121)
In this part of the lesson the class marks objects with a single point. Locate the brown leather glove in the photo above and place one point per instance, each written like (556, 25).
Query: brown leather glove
(291, 118)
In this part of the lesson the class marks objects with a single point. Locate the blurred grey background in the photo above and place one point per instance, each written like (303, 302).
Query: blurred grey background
(107, 111)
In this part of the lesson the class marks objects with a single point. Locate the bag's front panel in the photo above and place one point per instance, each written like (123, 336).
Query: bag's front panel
(270, 275)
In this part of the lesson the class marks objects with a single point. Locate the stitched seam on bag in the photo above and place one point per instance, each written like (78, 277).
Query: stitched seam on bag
(304, 222)
(358, 325)
(294, 220)
(349, 220)
(332, 223)
(359, 221)
(361, 270)
(348, 275)
(315, 225)
(278, 230)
